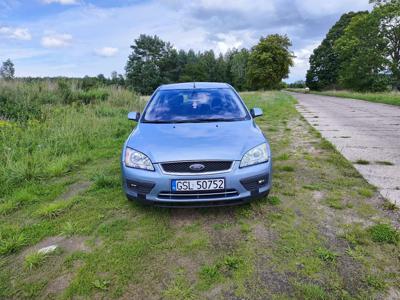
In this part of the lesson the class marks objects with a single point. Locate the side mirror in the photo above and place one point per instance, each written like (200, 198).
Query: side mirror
(256, 112)
(134, 116)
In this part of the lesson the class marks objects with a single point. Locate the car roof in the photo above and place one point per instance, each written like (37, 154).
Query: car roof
(192, 85)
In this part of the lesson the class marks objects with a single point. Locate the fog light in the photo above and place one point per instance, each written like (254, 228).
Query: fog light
(261, 181)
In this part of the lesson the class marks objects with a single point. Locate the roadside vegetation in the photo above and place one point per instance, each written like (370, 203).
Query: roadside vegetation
(359, 57)
(324, 232)
(392, 98)
(360, 52)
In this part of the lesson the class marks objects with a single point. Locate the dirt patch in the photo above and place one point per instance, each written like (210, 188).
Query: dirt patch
(136, 291)
(392, 294)
(74, 189)
(214, 293)
(226, 239)
(189, 265)
(66, 244)
(184, 217)
(318, 195)
(267, 282)
(58, 285)
(264, 234)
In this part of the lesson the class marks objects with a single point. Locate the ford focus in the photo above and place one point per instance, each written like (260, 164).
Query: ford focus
(196, 144)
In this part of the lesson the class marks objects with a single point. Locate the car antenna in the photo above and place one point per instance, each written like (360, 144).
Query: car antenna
(194, 85)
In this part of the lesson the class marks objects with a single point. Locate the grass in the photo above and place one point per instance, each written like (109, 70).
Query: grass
(326, 255)
(34, 260)
(392, 98)
(362, 162)
(384, 233)
(293, 244)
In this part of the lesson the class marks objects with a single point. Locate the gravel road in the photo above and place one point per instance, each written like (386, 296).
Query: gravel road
(366, 133)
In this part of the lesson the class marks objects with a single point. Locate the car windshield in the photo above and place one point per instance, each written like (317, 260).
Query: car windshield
(195, 105)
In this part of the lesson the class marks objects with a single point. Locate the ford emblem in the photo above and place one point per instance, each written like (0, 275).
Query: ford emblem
(197, 167)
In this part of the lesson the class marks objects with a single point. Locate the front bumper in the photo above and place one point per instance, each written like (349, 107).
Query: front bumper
(241, 186)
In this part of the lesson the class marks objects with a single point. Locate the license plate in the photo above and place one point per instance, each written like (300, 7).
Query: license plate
(197, 185)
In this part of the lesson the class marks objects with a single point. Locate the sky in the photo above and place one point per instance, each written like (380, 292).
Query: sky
(88, 37)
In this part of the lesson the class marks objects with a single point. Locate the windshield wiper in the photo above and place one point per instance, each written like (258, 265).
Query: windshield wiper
(213, 120)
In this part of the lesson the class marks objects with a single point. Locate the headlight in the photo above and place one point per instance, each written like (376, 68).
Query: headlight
(137, 160)
(254, 156)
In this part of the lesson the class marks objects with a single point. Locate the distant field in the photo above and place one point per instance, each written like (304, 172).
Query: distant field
(323, 233)
(392, 98)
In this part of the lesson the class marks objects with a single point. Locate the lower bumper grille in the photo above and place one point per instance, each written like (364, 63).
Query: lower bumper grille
(198, 195)
(140, 187)
(254, 183)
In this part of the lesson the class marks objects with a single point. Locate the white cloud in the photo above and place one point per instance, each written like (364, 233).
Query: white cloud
(200, 25)
(106, 51)
(317, 8)
(56, 40)
(301, 62)
(62, 2)
(17, 33)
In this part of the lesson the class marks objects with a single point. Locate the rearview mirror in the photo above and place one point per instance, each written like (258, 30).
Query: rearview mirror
(256, 112)
(134, 116)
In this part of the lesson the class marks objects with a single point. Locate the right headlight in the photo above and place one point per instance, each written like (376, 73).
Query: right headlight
(254, 156)
(137, 160)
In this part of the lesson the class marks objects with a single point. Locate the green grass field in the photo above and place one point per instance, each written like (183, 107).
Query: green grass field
(392, 98)
(324, 232)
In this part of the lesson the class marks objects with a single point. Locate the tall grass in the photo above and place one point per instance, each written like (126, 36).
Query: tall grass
(58, 137)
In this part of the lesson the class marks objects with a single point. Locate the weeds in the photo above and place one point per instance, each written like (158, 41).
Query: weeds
(387, 205)
(384, 163)
(310, 291)
(273, 200)
(326, 255)
(384, 233)
(375, 282)
(362, 162)
(34, 260)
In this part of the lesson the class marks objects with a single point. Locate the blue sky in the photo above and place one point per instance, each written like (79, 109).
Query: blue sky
(88, 37)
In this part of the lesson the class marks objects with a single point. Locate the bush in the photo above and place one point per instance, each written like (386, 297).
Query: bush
(19, 102)
(87, 97)
(65, 92)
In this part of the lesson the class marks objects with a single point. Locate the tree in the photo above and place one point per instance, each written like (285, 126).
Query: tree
(7, 70)
(388, 14)
(237, 68)
(149, 63)
(269, 62)
(101, 79)
(192, 71)
(362, 52)
(325, 61)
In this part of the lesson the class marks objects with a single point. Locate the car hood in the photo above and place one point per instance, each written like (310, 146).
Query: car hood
(195, 141)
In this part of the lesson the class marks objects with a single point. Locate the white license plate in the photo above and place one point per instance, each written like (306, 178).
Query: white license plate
(197, 185)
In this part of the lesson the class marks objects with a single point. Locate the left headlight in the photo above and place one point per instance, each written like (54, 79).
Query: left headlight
(137, 160)
(255, 156)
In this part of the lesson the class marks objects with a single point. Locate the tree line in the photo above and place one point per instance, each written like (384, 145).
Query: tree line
(154, 62)
(360, 52)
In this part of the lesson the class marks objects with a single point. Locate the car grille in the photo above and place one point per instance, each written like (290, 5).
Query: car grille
(184, 166)
(198, 194)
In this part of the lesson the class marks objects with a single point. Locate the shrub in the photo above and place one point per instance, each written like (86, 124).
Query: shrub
(65, 91)
(87, 97)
